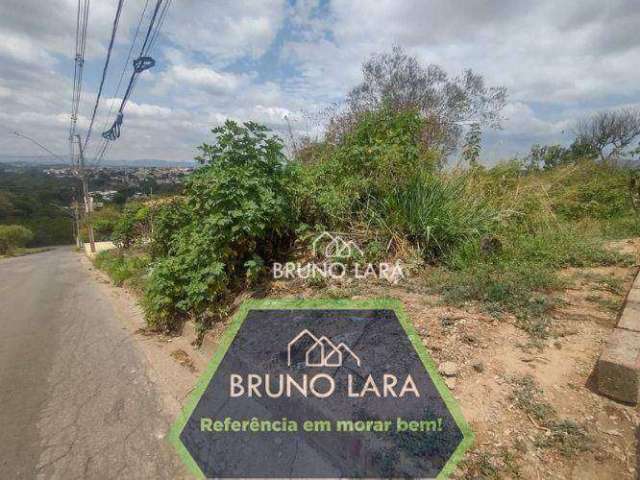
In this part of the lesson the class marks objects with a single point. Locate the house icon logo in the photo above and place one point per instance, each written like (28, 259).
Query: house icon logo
(313, 351)
(336, 246)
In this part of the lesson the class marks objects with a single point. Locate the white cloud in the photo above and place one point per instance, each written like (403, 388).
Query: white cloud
(226, 29)
(203, 76)
(262, 60)
(140, 110)
(22, 49)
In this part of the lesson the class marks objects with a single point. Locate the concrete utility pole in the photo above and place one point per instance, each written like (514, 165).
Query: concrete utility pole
(76, 222)
(85, 194)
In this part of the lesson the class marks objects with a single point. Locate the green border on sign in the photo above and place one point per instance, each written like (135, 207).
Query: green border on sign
(324, 304)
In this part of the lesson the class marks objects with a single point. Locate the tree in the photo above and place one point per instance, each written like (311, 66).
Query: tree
(549, 156)
(12, 237)
(6, 206)
(609, 133)
(472, 145)
(399, 81)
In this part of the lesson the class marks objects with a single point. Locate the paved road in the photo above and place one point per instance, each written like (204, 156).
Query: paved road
(75, 399)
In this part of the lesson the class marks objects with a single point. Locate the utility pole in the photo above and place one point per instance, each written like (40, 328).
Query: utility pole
(76, 222)
(85, 194)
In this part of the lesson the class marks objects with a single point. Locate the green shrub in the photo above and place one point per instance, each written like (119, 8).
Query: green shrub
(238, 209)
(167, 221)
(104, 221)
(133, 225)
(13, 237)
(382, 153)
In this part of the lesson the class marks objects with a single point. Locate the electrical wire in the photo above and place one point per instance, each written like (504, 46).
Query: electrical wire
(114, 30)
(140, 64)
(82, 20)
(18, 134)
(103, 147)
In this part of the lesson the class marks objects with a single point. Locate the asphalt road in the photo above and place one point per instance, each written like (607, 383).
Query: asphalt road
(75, 397)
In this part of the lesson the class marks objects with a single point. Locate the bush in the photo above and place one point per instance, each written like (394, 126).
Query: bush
(593, 191)
(13, 237)
(381, 154)
(123, 268)
(436, 214)
(133, 225)
(167, 220)
(104, 221)
(237, 214)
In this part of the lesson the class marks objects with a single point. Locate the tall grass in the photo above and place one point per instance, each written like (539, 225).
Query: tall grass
(437, 213)
(124, 268)
(548, 221)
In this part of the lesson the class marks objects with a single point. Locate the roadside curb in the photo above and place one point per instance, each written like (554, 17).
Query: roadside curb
(618, 368)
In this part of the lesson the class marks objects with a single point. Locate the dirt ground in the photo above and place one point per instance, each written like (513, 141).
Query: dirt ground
(497, 371)
(492, 357)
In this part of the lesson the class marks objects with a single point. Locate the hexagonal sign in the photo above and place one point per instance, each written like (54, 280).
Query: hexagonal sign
(321, 389)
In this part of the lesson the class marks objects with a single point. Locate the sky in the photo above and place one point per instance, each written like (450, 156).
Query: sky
(283, 62)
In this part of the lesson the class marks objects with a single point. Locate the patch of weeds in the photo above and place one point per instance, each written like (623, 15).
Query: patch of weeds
(337, 291)
(527, 396)
(516, 289)
(612, 284)
(608, 283)
(612, 305)
(20, 251)
(316, 281)
(123, 268)
(565, 436)
(492, 466)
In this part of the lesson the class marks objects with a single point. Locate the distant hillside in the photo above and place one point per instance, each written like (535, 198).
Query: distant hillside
(49, 160)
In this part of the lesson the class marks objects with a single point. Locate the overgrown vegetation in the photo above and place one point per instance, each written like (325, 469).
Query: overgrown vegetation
(236, 216)
(128, 268)
(492, 236)
(13, 237)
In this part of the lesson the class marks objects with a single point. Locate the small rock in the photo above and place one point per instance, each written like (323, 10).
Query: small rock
(448, 369)
(451, 383)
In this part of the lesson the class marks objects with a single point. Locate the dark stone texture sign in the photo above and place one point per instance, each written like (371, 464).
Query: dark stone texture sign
(331, 389)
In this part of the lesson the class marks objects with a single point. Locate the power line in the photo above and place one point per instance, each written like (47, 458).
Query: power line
(74, 137)
(82, 19)
(101, 150)
(114, 30)
(81, 42)
(18, 134)
(140, 64)
(163, 15)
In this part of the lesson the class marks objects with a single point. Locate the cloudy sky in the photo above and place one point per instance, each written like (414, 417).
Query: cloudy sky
(267, 59)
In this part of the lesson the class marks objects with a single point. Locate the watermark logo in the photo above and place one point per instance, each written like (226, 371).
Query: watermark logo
(336, 247)
(318, 352)
(321, 390)
(342, 258)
